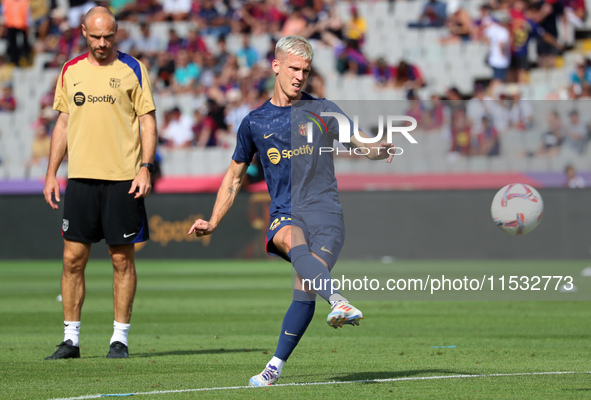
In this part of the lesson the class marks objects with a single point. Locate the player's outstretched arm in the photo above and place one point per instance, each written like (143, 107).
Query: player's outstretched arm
(57, 152)
(142, 185)
(377, 151)
(227, 193)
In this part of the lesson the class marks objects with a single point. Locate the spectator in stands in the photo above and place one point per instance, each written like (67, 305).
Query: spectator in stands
(222, 55)
(117, 6)
(351, 60)
(40, 18)
(77, 10)
(260, 17)
(165, 71)
(497, 37)
(7, 100)
(356, 27)
(175, 42)
(314, 85)
(208, 73)
(195, 43)
(580, 78)
(68, 45)
(461, 141)
(216, 110)
(577, 134)
(144, 10)
(434, 15)
(416, 109)
(6, 70)
(146, 44)
(42, 139)
(247, 55)
(549, 12)
(407, 76)
(176, 10)
(487, 140)
(295, 24)
(521, 112)
(270, 56)
(331, 29)
(573, 18)
(177, 129)
(123, 40)
(381, 72)
(209, 19)
(460, 27)
(204, 130)
(523, 28)
(434, 113)
(553, 139)
(16, 22)
(576, 12)
(186, 73)
(574, 180)
(479, 106)
(235, 111)
(56, 19)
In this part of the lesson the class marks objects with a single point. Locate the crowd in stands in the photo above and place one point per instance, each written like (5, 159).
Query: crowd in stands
(225, 86)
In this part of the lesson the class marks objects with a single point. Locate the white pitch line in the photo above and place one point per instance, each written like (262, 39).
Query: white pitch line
(416, 378)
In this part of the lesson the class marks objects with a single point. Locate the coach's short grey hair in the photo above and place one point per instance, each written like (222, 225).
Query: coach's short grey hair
(296, 45)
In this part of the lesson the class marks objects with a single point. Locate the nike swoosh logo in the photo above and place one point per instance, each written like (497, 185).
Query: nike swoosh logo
(325, 249)
(126, 235)
(289, 334)
(77, 83)
(268, 136)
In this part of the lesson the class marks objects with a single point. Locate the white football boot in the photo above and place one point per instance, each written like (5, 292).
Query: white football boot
(343, 313)
(269, 376)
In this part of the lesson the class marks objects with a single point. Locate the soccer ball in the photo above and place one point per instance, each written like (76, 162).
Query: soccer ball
(517, 208)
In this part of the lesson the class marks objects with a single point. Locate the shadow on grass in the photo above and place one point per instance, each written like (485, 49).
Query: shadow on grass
(362, 376)
(193, 352)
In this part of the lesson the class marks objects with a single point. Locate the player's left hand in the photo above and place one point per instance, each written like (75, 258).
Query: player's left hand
(141, 185)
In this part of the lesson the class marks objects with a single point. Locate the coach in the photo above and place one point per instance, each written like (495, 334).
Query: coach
(103, 97)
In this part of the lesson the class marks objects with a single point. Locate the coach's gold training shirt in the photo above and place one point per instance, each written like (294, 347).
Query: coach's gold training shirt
(103, 103)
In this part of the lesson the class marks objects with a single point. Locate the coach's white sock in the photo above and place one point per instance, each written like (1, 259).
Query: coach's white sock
(72, 332)
(277, 363)
(120, 332)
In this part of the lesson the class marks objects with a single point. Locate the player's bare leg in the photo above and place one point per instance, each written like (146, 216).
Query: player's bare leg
(73, 286)
(73, 293)
(124, 287)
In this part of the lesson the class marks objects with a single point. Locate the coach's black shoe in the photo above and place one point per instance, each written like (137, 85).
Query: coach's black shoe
(65, 350)
(118, 350)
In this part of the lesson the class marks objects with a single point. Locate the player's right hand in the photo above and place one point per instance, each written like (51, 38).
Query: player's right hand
(201, 228)
(52, 187)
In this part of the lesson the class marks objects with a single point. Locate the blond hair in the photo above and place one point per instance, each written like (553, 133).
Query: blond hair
(295, 45)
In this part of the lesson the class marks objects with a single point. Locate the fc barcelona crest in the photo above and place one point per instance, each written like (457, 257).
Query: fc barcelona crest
(303, 130)
(115, 83)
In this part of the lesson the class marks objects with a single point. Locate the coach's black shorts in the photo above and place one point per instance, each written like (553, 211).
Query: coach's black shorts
(97, 209)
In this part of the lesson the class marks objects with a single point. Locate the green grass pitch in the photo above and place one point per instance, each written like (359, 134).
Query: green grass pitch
(214, 324)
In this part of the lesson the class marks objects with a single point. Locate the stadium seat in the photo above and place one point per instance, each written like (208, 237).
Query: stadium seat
(539, 164)
(478, 164)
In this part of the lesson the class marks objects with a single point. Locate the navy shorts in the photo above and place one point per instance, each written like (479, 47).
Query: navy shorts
(97, 209)
(325, 233)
